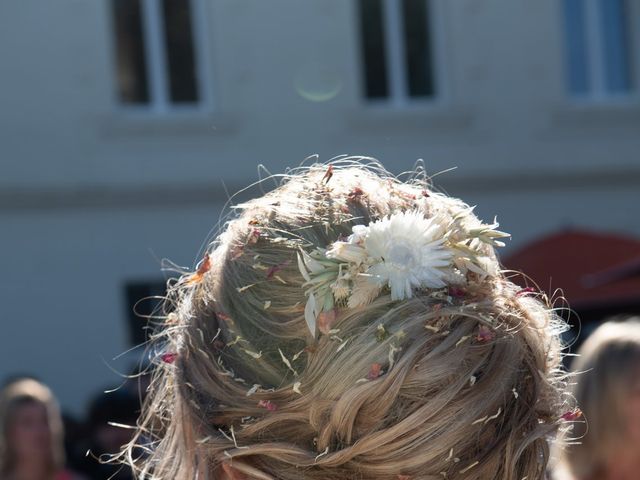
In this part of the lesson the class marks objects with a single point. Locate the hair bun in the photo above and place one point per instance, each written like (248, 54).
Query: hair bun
(351, 325)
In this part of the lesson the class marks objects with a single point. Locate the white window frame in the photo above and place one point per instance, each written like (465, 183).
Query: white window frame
(156, 62)
(598, 92)
(398, 92)
(634, 47)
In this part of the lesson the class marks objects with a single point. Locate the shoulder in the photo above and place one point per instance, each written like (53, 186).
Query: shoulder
(69, 475)
(560, 473)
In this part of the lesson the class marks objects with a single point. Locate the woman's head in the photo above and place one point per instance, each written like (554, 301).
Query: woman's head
(608, 392)
(31, 427)
(350, 325)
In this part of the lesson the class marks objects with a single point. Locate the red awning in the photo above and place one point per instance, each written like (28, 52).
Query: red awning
(592, 269)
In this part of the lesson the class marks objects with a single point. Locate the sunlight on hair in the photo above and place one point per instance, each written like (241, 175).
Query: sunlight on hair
(316, 341)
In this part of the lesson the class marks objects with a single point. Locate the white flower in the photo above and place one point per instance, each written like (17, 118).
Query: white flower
(403, 251)
(455, 277)
(488, 266)
(363, 293)
(340, 289)
(359, 234)
(347, 252)
(311, 314)
(406, 251)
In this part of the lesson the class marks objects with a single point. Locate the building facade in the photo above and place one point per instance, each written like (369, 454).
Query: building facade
(126, 124)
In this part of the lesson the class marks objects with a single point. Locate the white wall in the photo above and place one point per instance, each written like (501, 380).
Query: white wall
(87, 190)
(63, 294)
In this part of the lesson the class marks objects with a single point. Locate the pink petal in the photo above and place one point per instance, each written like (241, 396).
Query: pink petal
(254, 236)
(456, 292)
(276, 268)
(374, 371)
(268, 404)
(485, 334)
(355, 193)
(169, 357)
(572, 415)
(326, 320)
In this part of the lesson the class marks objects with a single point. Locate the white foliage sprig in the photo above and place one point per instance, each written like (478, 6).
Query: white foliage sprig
(402, 252)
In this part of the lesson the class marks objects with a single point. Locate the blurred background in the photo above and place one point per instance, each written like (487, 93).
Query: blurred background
(125, 125)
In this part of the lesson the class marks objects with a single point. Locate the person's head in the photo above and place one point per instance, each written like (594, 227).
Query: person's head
(350, 325)
(607, 390)
(31, 427)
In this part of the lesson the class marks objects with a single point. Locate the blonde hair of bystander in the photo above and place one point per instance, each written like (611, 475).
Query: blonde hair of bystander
(607, 389)
(14, 397)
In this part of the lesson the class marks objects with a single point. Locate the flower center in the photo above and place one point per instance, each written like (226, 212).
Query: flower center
(402, 256)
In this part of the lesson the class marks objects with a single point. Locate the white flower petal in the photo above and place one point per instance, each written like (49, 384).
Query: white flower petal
(312, 264)
(400, 286)
(310, 314)
(340, 289)
(359, 234)
(408, 252)
(347, 252)
(303, 268)
(454, 277)
(475, 268)
(363, 293)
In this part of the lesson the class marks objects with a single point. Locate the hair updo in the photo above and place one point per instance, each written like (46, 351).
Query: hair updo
(270, 364)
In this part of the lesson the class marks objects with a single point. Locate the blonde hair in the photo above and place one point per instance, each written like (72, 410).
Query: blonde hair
(608, 367)
(392, 389)
(14, 396)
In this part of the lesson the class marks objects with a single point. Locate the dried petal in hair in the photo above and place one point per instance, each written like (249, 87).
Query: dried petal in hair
(375, 370)
(326, 319)
(572, 415)
(169, 357)
(485, 334)
(268, 404)
(203, 268)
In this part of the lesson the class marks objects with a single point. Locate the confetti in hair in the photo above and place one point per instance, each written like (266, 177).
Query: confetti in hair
(203, 268)
(169, 357)
(268, 404)
(382, 356)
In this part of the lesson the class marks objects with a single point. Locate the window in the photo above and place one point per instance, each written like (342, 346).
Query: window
(157, 61)
(600, 59)
(398, 50)
(143, 300)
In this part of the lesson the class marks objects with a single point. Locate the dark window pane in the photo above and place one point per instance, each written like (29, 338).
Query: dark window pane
(576, 46)
(142, 302)
(180, 53)
(373, 48)
(130, 55)
(418, 48)
(616, 46)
